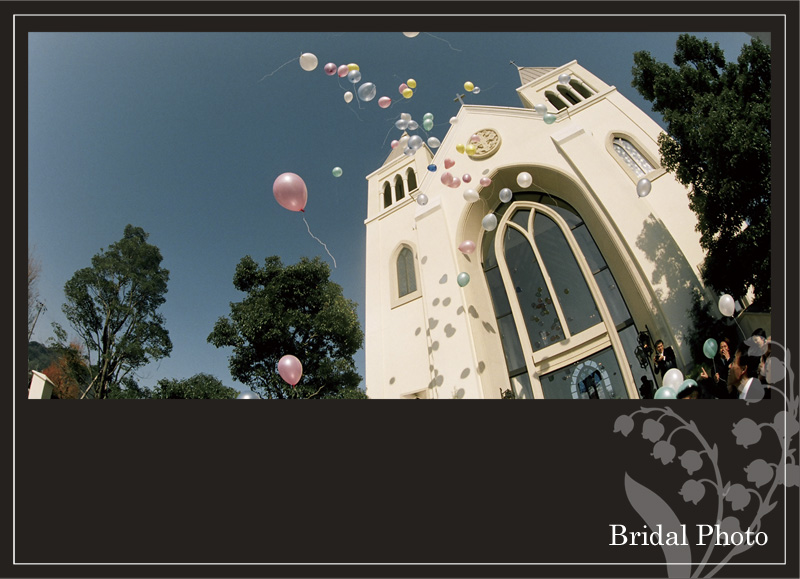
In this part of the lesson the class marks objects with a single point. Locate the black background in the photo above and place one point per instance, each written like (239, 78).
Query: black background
(375, 488)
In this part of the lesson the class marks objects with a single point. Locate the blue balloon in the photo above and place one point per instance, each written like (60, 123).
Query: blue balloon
(431, 167)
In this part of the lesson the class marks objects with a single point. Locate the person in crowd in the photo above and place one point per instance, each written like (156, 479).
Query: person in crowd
(646, 389)
(664, 358)
(716, 386)
(759, 336)
(743, 380)
(689, 393)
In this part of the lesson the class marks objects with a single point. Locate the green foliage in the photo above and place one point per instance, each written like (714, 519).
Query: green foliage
(113, 305)
(40, 356)
(718, 124)
(198, 386)
(291, 310)
(128, 389)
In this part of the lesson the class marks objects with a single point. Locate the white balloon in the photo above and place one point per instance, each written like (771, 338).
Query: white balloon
(476, 90)
(413, 125)
(505, 194)
(471, 195)
(250, 395)
(524, 180)
(643, 187)
(408, 151)
(410, 34)
(308, 61)
(401, 124)
(540, 108)
(489, 222)
(367, 91)
(405, 116)
(564, 78)
(422, 199)
(348, 96)
(453, 120)
(354, 76)
(433, 142)
(415, 142)
(726, 305)
(673, 378)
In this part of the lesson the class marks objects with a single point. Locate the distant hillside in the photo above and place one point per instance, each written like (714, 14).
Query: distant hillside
(39, 356)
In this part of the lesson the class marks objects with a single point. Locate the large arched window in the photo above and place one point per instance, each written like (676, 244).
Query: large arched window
(406, 275)
(564, 325)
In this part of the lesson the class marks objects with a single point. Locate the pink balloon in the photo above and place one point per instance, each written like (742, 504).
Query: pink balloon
(474, 139)
(384, 102)
(343, 70)
(467, 246)
(485, 181)
(330, 69)
(448, 163)
(290, 192)
(466, 177)
(447, 178)
(402, 87)
(456, 182)
(290, 369)
(395, 143)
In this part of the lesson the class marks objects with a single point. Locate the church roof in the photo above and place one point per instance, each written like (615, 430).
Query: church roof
(530, 73)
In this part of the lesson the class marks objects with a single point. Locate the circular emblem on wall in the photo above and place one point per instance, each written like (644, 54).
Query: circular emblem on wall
(488, 145)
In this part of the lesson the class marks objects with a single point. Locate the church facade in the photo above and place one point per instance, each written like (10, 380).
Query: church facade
(538, 269)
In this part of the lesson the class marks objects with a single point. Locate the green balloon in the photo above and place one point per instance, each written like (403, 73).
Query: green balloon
(427, 124)
(337, 171)
(427, 116)
(710, 348)
(549, 118)
(463, 279)
(665, 393)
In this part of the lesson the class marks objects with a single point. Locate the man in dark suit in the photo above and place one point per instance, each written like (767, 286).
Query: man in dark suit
(664, 358)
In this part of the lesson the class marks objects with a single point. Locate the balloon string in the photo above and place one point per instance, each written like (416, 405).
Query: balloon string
(318, 239)
(740, 327)
(443, 40)
(280, 67)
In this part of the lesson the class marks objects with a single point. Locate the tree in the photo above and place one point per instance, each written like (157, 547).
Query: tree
(34, 305)
(198, 386)
(113, 306)
(718, 141)
(293, 310)
(69, 371)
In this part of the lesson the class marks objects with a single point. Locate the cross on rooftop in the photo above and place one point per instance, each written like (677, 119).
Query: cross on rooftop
(459, 98)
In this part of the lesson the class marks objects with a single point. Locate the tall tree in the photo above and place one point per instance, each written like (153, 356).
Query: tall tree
(69, 371)
(113, 306)
(293, 310)
(718, 141)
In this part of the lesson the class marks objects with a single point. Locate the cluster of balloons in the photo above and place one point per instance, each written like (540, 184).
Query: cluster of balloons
(472, 145)
(407, 88)
(469, 87)
(414, 142)
(670, 385)
(366, 92)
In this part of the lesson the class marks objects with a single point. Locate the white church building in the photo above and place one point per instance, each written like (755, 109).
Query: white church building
(559, 290)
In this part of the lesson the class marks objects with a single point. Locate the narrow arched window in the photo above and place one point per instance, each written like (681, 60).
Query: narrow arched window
(406, 278)
(555, 100)
(399, 193)
(568, 94)
(632, 157)
(412, 180)
(387, 195)
(580, 88)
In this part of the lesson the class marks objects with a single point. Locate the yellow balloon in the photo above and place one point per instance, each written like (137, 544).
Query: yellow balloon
(468, 86)
(460, 148)
(411, 83)
(408, 93)
(353, 66)
(471, 149)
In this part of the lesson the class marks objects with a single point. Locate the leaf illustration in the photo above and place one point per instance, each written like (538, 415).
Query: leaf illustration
(654, 511)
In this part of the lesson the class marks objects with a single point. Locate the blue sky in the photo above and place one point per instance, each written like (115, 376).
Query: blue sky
(183, 134)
